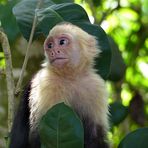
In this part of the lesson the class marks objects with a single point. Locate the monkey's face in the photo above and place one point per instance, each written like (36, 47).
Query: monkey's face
(60, 51)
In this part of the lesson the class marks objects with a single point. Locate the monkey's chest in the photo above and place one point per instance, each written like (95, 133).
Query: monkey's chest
(42, 98)
(81, 97)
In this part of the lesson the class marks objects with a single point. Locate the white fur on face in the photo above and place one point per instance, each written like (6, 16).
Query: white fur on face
(75, 57)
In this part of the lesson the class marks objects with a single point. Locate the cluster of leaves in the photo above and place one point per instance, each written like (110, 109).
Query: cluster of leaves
(127, 25)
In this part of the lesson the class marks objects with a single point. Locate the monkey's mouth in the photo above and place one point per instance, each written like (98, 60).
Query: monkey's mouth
(57, 59)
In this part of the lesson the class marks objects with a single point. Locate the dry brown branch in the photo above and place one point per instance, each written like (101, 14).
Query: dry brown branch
(9, 77)
(2, 72)
(19, 83)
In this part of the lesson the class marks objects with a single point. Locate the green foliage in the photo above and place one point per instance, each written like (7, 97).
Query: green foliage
(68, 12)
(25, 12)
(61, 127)
(50, 14)
(2, 60)
(3, 2)
(47, 16)
(62, 1)
(135, 139)
(96, 2)
(118, 113)
(126, 22)
(117, 72)
(8, 22)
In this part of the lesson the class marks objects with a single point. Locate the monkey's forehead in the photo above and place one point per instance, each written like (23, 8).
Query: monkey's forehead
(66, 28)
(58, 35)
(59, 30)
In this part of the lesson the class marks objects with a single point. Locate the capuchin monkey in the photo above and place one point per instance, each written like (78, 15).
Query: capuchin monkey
(67, 76)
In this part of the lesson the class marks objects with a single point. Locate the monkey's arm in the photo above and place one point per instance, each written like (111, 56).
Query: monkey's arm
(20, 129)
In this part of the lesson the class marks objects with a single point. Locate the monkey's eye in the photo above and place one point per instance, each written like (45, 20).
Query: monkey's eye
(50, 45)
(63, 41)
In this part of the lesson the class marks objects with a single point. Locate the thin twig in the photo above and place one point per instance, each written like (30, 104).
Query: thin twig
(9, 78)
(19, 83)
(93, 9)
(109, 11)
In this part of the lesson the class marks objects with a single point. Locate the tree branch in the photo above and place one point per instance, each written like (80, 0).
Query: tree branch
(109, 11)
(9, 78)
(19, 83)
(2, 72)
(93, 10)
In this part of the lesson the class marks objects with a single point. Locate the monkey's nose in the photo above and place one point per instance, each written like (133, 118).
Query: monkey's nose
(52, 53)
(55, 52)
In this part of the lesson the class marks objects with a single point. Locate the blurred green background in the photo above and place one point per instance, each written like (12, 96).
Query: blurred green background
(126, 24)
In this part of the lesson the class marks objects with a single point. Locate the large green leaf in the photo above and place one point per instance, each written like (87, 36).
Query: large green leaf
(62, 1)
(49, 15)
(136, 139)
(8, 21)
(61, 128)
(118, 67)
(25, 12)
(118, 113)
(69, 12)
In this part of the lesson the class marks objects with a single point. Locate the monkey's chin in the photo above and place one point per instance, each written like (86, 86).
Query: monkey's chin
(59, 63)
